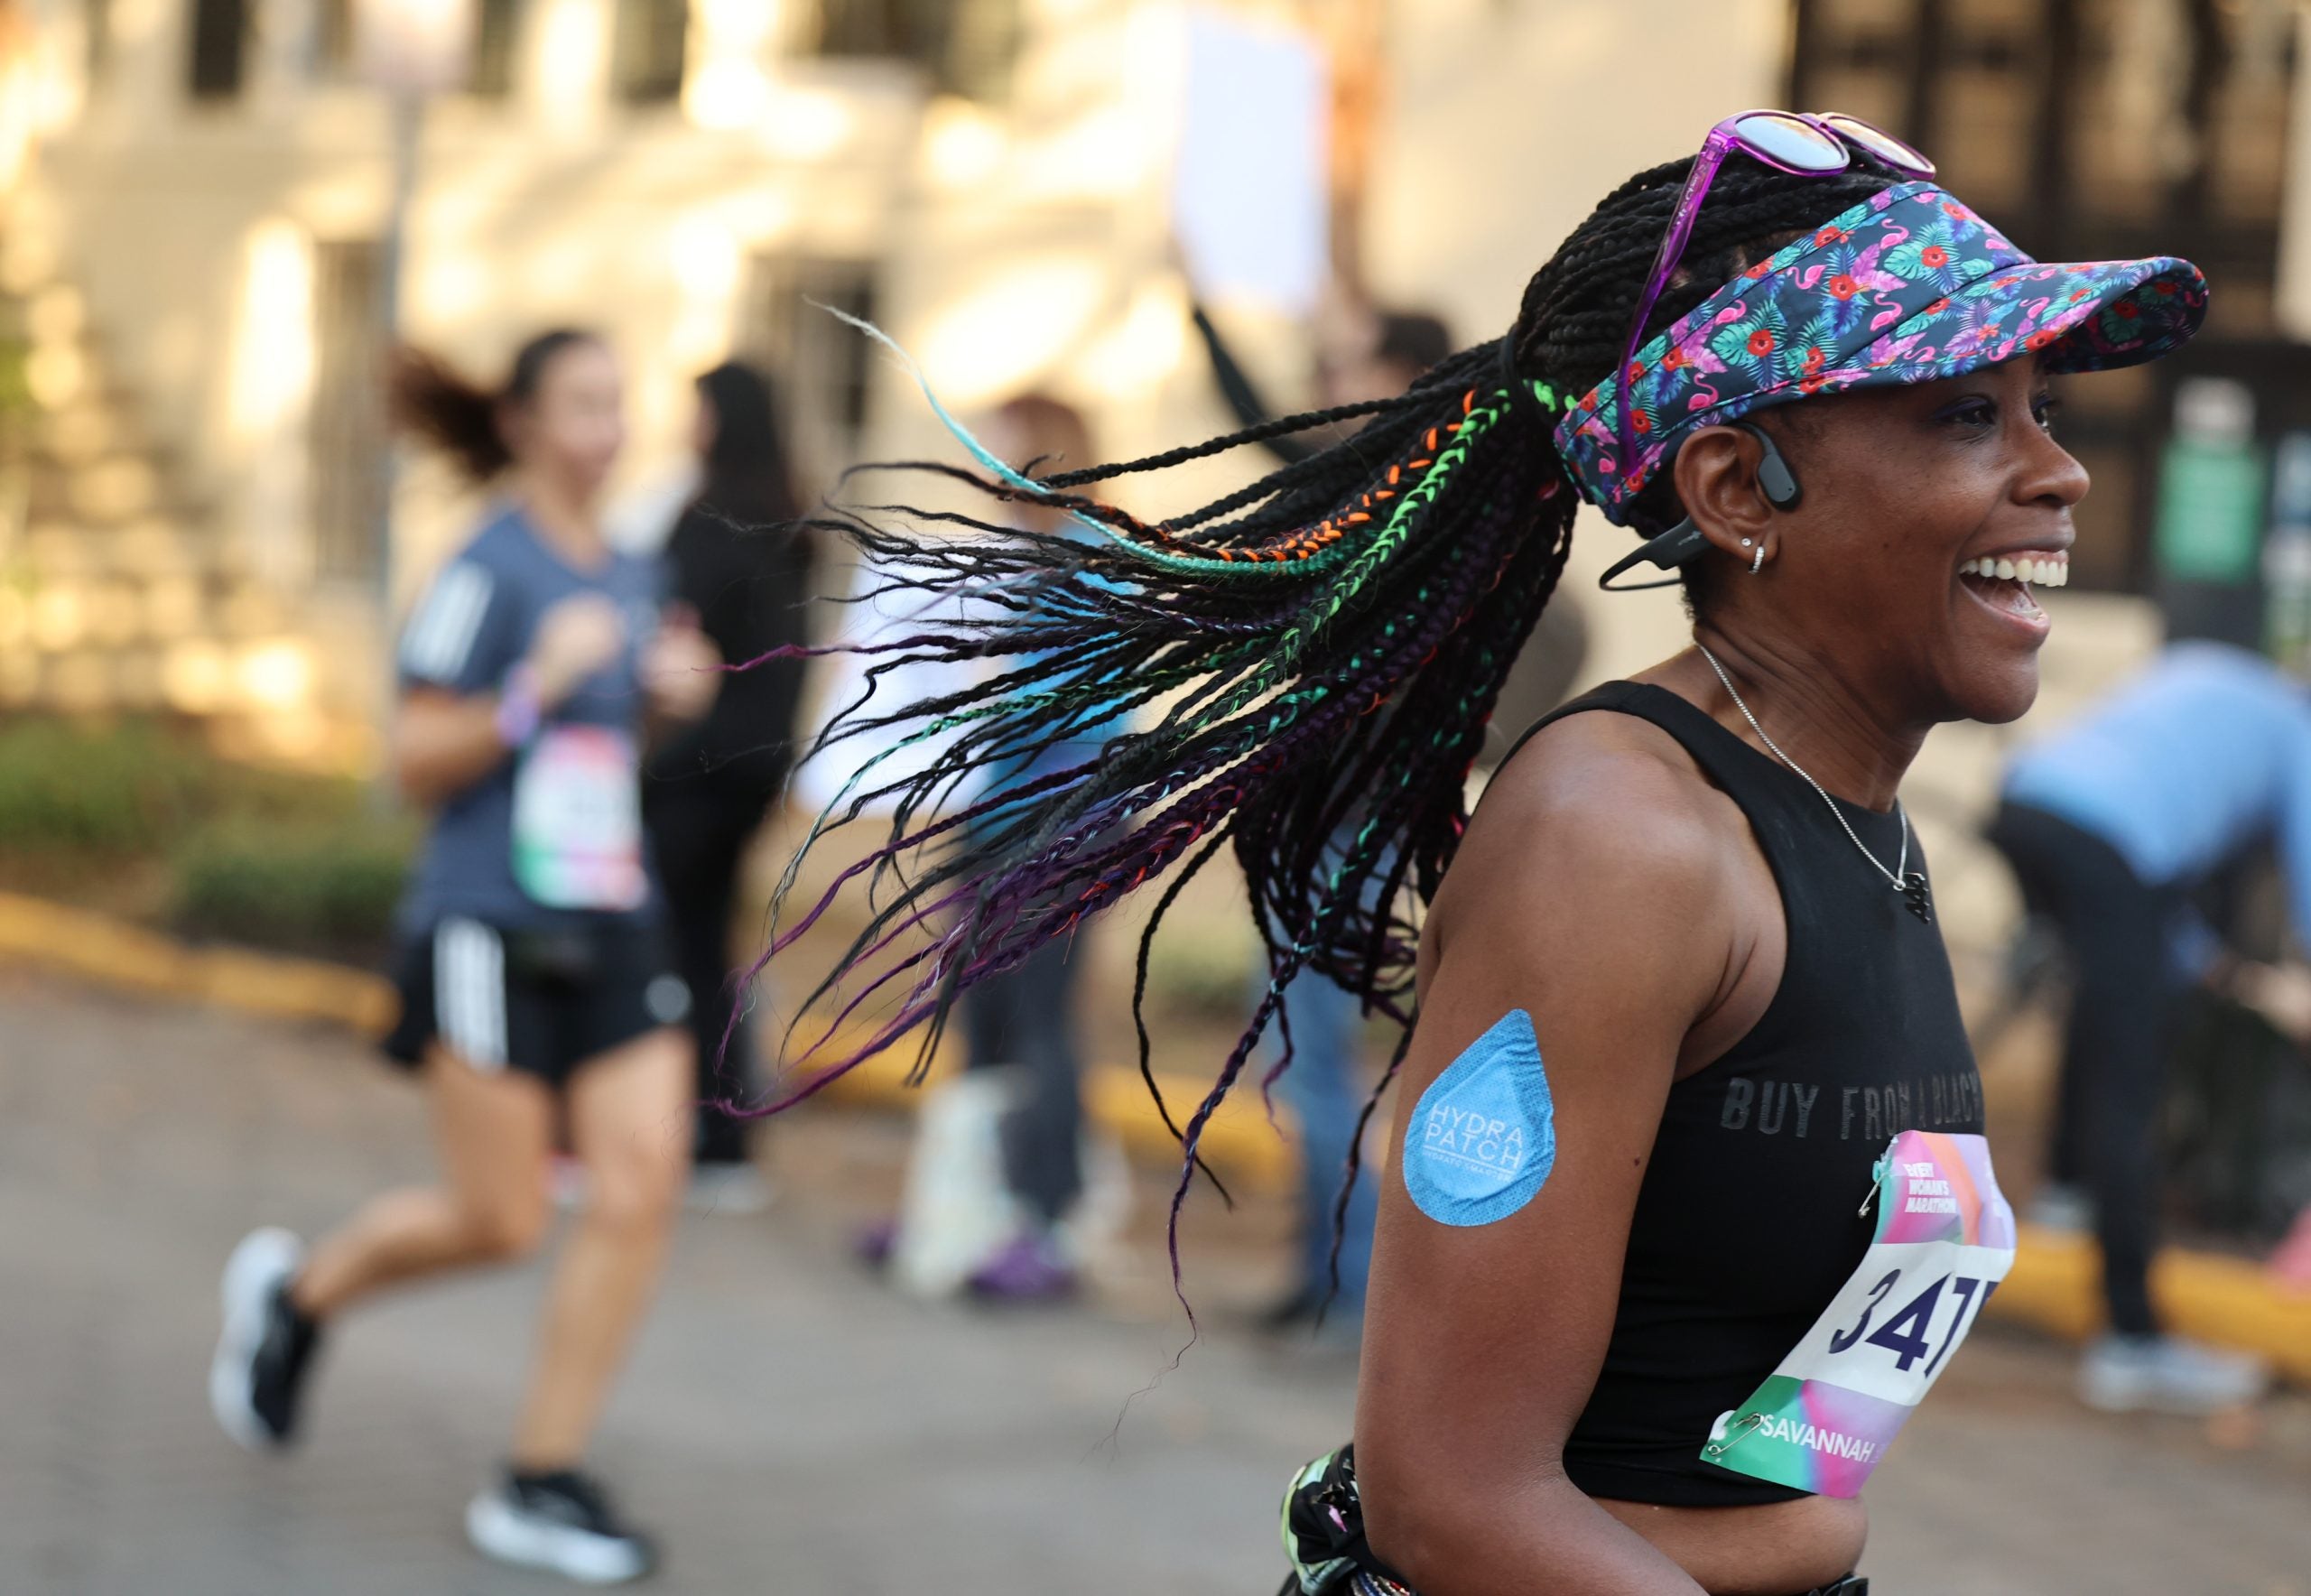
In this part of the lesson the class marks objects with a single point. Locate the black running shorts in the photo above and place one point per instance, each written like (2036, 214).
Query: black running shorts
(541, 1002)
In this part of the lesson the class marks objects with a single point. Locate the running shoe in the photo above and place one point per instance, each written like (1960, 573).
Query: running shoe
(562, 1522)
(2059, 1207)
(267, 1349)
(2165, 1373)
(874, 1245)
(1028, 1268)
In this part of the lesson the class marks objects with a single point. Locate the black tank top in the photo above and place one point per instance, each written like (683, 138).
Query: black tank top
(1748, 1221)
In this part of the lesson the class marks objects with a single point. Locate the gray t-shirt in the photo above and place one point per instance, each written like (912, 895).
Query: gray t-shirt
(474, 624)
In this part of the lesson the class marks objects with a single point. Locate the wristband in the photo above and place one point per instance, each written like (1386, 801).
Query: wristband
(518, 709)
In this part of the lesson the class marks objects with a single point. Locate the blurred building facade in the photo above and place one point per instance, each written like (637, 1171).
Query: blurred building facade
(194, 255)
(190, 256)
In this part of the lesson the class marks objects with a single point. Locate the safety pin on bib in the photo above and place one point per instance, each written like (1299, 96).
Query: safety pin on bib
(1877, 1179)
(1733, 1437)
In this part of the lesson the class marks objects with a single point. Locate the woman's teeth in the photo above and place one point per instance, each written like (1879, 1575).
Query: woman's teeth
(2040, 570)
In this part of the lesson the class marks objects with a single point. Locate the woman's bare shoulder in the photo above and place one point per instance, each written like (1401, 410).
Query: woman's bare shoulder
(1598, 814)
(1599, 768)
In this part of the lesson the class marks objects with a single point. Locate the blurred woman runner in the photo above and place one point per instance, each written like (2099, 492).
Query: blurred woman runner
(535, 991)
(1688, 1202)
(734, 561)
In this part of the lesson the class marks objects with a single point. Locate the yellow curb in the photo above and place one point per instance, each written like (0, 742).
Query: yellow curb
(2057, 1285)
(102, 950)
(110, 952)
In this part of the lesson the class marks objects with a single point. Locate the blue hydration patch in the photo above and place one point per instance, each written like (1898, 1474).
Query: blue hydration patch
(1483, 1136)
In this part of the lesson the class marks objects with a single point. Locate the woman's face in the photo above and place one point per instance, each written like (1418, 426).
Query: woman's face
(1908, 490)
(573, 426)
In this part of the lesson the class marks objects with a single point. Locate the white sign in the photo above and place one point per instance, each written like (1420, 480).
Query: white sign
(1248, 190)
(413, 46)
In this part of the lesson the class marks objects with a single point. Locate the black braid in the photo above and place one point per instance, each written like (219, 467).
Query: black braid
(1326, 645)
(1277, 427)
(1574, 318)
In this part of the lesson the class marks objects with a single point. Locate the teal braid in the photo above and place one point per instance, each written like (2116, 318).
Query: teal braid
(1317, 653)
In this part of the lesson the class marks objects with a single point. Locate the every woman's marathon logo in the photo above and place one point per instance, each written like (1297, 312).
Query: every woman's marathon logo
(1926, 1190)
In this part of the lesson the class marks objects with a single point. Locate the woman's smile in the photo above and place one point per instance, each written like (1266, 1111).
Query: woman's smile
(2003, 584)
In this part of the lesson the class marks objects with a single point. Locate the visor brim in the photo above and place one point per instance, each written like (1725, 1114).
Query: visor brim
(2107, 314)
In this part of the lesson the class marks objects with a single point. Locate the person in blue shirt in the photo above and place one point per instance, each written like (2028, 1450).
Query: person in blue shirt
(2109, 823)
(1325, 1087)
(538, 999)
(1027, 1022)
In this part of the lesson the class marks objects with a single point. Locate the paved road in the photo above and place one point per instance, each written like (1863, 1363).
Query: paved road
(788, 1425)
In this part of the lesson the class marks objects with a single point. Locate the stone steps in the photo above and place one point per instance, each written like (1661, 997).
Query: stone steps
(120, 589)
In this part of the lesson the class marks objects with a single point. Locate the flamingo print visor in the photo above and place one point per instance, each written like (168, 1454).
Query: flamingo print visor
(1908, 286)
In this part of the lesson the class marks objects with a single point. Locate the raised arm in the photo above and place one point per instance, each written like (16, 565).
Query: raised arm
(1235, 386)
(1595, 894)
(463, 709)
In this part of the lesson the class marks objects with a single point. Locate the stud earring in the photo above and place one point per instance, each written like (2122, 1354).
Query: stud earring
(1757, 561)
(1745, 543)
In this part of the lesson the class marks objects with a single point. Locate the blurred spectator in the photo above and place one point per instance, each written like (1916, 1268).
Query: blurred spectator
(1022, 1055)
(735, 560)
(1382, 354)
(1325, 1091)
(2109, 823)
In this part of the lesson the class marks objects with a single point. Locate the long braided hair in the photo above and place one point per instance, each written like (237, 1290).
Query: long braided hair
(1316, 656)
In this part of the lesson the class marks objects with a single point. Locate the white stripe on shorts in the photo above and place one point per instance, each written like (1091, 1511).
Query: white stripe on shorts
(469, 992)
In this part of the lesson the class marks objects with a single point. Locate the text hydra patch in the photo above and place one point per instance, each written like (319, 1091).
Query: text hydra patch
(1483, 1136)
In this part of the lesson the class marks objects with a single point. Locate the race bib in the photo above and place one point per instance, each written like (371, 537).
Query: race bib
(578, 819)
(1946, 1237)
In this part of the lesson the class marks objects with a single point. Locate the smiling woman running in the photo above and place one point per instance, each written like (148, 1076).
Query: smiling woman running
(1688, 1202)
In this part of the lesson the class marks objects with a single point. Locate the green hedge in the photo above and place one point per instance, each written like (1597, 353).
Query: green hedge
(316, 887)
(299, 862)
(125, 790)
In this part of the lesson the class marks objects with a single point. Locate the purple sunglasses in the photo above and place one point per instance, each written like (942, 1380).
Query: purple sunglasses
(1804, 144)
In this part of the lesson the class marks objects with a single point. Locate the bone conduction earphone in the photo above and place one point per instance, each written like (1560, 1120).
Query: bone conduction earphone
(1684, 541)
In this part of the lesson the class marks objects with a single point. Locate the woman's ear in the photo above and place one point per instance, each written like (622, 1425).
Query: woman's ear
(1716, 475)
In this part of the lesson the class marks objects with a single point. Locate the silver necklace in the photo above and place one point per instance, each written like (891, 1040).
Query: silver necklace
(1910, 884)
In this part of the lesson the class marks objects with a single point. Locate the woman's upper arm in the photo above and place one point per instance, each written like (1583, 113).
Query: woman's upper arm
(443, 742)
(1596, 902)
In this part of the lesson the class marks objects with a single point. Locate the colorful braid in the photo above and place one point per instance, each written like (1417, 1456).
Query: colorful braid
(1320, 651)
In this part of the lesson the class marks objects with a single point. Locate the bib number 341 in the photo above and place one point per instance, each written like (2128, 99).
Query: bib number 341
(1824, 1418)
(1909, 1334)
